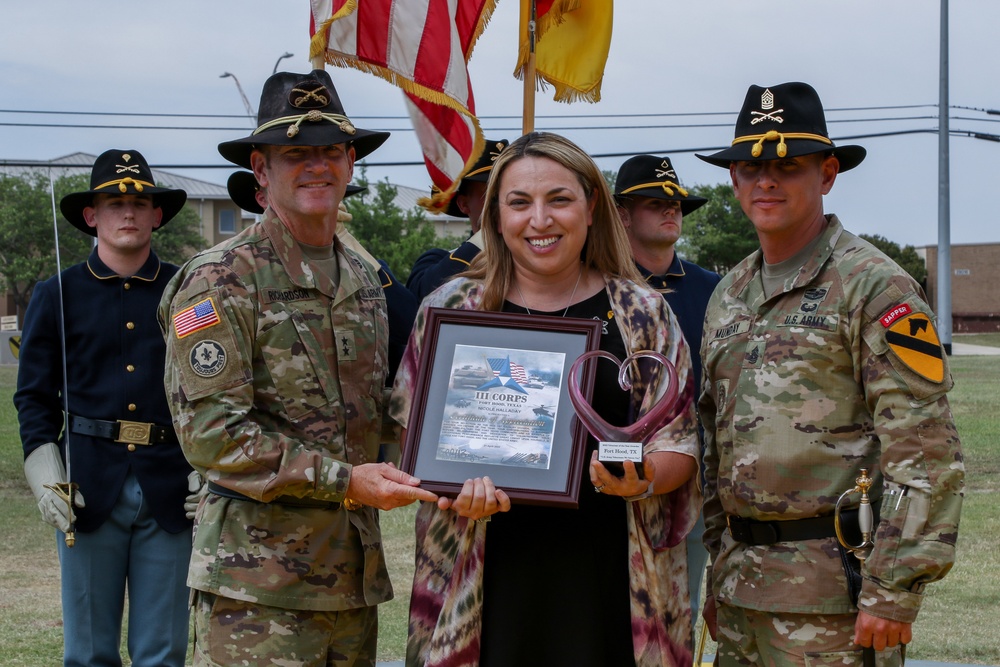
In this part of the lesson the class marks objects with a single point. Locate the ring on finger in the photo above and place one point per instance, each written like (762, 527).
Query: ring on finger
(599, 488)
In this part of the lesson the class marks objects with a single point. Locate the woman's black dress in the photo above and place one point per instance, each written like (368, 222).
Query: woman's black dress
(556, 580)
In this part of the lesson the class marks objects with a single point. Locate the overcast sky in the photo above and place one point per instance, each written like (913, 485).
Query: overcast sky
(667, 56)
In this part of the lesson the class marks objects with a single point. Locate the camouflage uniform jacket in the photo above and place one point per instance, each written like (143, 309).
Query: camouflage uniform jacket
(275, 375)
(446, 604)
(841, 370)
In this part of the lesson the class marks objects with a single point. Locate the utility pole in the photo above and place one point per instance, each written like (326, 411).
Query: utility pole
(943, 305)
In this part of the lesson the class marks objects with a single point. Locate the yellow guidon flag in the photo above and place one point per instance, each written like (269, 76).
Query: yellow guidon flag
(573, 39)
(914, 340)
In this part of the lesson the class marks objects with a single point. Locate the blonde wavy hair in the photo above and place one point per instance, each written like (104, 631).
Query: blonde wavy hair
(607, 247)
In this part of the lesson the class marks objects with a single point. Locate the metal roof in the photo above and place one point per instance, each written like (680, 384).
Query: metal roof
(195, 188)
(406, 197)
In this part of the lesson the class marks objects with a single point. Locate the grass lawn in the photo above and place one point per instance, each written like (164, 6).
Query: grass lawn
(958, 622)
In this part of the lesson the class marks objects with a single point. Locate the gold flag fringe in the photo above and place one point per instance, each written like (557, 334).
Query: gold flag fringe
(564, 92)
(319, 46)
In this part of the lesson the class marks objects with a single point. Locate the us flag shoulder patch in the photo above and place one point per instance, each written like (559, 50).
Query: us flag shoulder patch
(201, 315)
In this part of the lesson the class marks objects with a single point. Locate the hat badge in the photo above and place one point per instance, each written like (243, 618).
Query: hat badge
(131, 168)
(666, 171)
(495, 154)
(767, 111)
(309, 95)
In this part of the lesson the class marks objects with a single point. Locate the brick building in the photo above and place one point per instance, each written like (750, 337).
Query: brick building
(975, 275)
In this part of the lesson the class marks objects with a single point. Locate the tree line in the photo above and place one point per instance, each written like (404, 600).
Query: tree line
(717, 236)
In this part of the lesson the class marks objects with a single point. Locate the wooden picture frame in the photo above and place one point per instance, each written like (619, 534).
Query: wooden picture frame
(491, 399)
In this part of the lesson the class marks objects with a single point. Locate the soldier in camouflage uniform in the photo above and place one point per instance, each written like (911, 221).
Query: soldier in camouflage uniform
(820, 358)
(276, 364)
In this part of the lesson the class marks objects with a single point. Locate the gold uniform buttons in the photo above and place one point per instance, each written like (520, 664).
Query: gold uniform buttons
(131, 448)
(131, 407)
(130, 325)
(128, 286)
(130, 368)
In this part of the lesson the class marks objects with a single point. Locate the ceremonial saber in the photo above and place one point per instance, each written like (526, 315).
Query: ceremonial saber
(66, 489)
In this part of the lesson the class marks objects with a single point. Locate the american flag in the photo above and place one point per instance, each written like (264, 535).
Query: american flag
(506, 367)
(195, 318)
(422, 46)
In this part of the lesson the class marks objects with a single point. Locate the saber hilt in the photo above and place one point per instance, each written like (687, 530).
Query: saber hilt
(66, 491)
(865, 517)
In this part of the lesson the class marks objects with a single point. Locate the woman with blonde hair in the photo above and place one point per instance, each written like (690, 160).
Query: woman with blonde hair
(604, 584)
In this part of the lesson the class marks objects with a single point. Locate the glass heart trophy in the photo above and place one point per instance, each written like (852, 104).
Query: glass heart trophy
(617, 444)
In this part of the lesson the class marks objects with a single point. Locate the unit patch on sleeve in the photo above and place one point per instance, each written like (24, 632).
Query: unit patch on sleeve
(201, 315)
(914, 340)
(208, 358)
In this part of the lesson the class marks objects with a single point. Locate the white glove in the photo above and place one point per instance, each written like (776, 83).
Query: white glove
(44, 466)
(198, 488)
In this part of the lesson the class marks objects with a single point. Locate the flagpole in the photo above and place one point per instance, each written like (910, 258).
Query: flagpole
(528, 114)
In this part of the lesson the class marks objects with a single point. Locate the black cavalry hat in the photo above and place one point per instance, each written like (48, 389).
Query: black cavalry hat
(480, 171)
(243, 187)
(120, 172)
(301, 110)
(786, 120)
(651, 176)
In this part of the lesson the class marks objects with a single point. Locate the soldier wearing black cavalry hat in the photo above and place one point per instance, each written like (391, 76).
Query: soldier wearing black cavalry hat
(129, 476)
(652, 204)
(437, 265)
(820, 361)
(277, 356)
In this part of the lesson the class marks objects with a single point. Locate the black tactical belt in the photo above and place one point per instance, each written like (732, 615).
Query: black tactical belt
(760, 533)
(291, 501)
(133, 433)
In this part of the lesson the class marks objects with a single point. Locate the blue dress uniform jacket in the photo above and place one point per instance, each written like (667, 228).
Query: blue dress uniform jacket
(402, 306)
(687, 288)
(115, 356)
(436, 266)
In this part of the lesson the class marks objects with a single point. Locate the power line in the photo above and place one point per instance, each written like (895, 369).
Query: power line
(130, 114)
(662, 151)
(673, 126)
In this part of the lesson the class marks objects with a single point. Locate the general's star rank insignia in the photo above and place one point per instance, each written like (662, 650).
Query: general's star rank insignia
(914, 340)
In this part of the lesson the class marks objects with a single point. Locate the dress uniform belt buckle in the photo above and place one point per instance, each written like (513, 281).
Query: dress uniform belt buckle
(134, 433)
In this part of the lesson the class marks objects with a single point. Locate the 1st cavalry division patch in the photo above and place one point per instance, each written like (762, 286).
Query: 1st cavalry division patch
(915, 342)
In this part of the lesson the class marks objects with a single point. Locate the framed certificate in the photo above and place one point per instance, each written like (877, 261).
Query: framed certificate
(491, 399)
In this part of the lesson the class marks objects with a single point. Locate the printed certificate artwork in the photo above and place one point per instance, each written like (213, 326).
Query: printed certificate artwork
(502, 406)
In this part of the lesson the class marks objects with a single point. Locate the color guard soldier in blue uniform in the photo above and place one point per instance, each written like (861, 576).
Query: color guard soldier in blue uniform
(652, 205)
(436, 266)
(130, 476)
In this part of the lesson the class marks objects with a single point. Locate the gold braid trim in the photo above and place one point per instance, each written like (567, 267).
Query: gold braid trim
(668, 187)
(478, 171)
(314, 116)
(122, 184)
(771, 135)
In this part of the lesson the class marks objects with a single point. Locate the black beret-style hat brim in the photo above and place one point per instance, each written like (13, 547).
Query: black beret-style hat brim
(849, 156)
(688, 204)
(321, 133)
(170, 202)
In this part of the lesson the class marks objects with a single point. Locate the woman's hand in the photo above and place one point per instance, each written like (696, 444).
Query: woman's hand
(628, 485)
(478, 499)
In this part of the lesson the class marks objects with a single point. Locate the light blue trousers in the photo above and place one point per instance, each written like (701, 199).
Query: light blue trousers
(129, 554)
